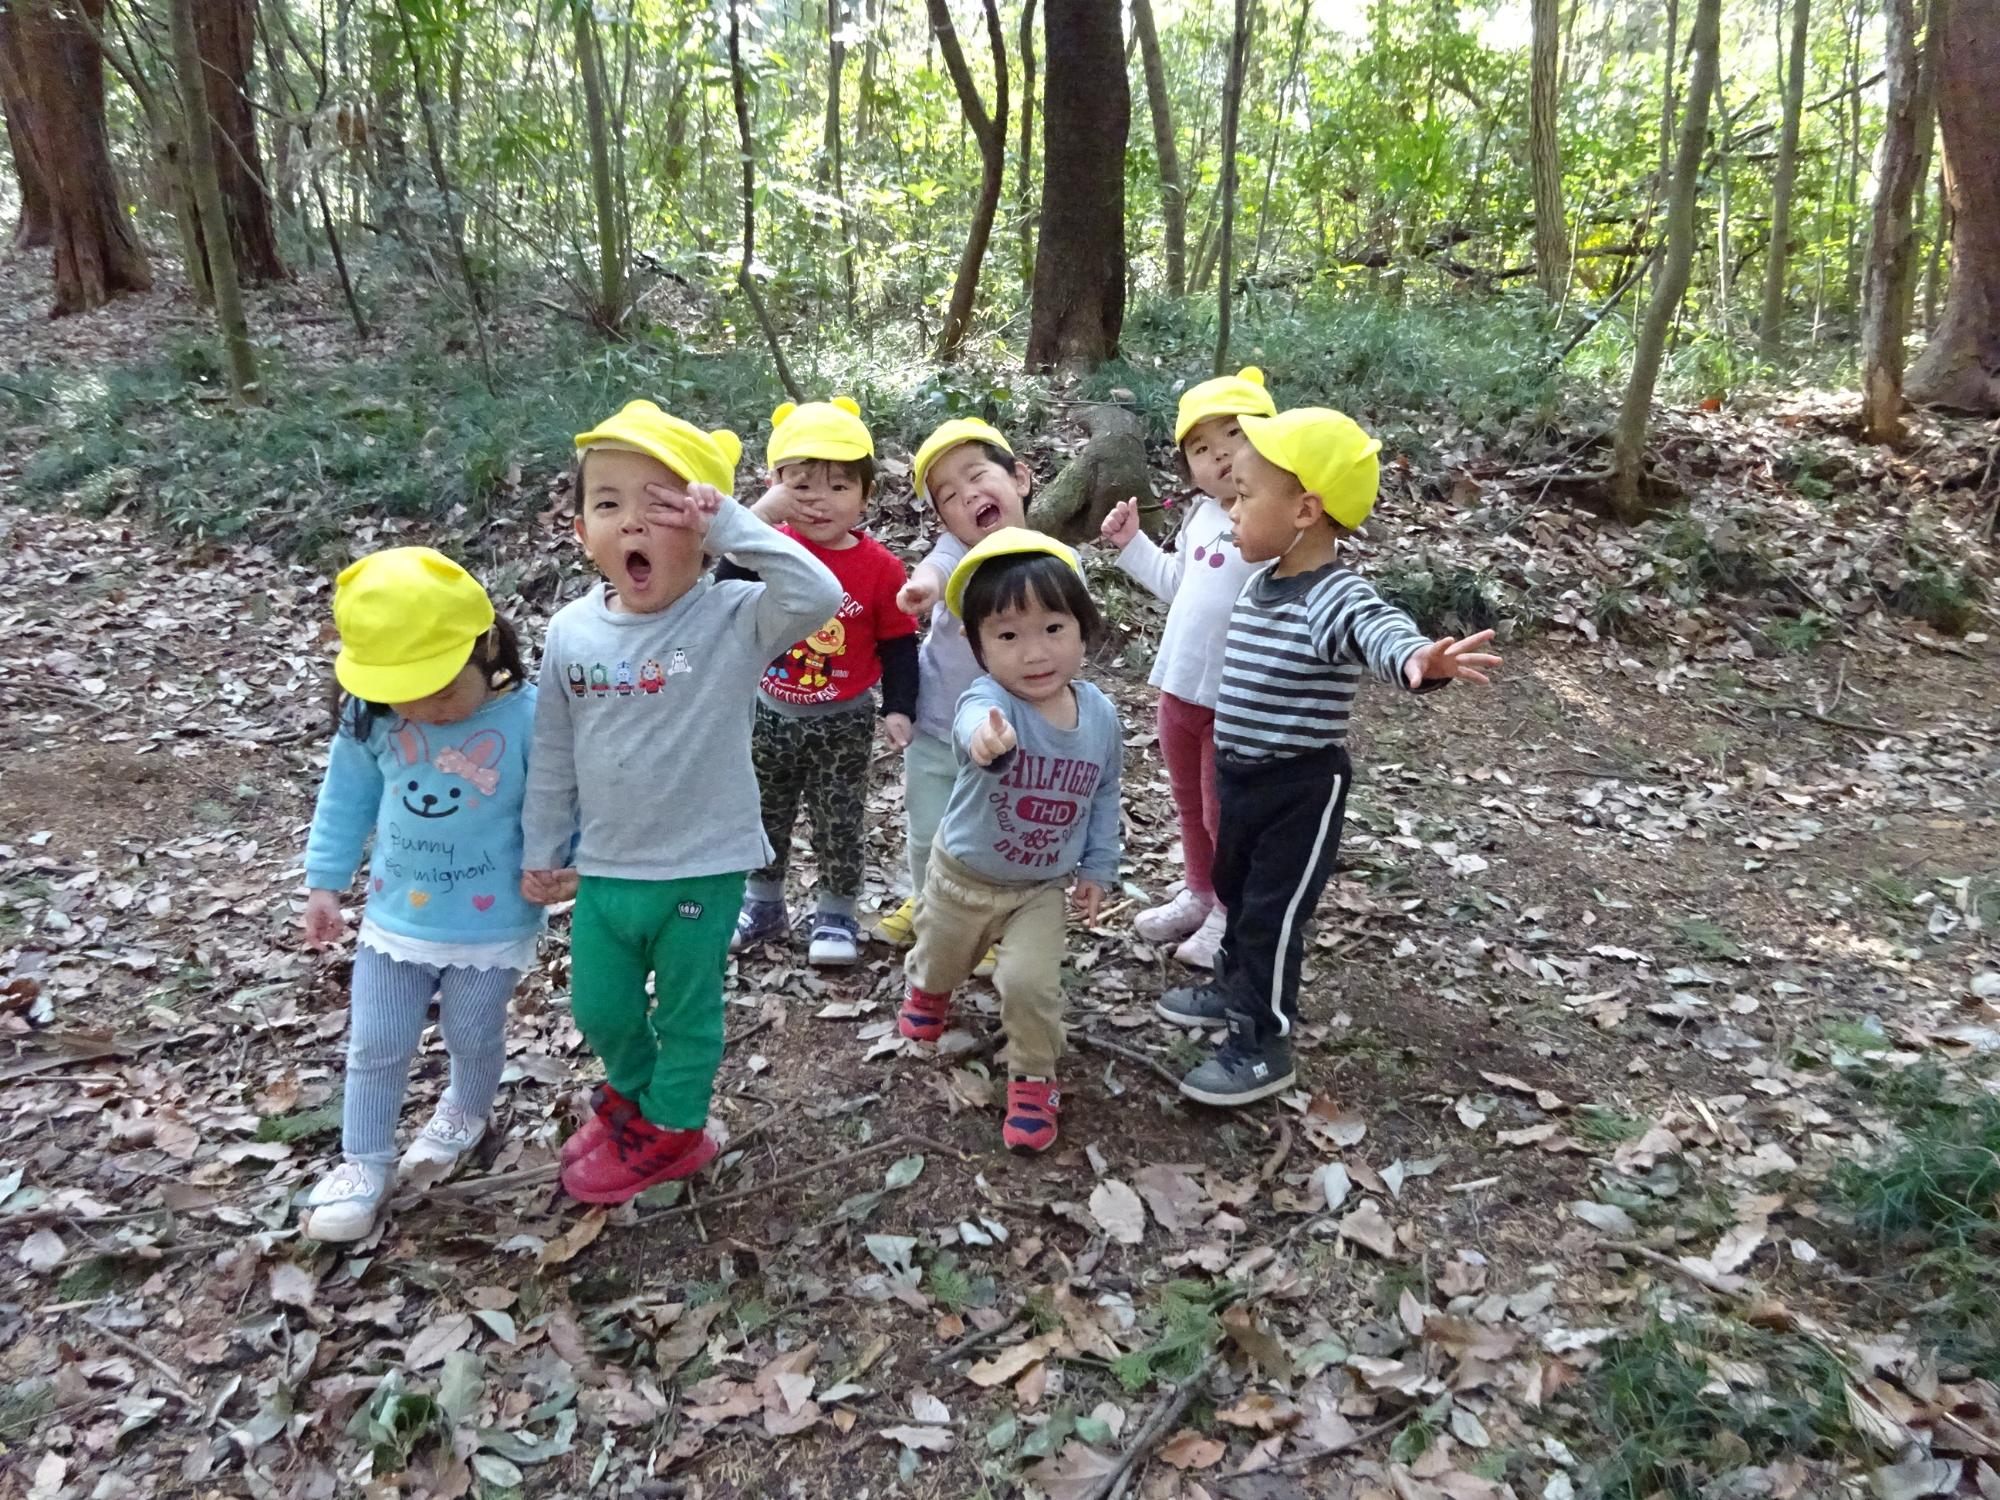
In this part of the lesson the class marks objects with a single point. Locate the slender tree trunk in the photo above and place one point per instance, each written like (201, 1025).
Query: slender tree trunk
(836, 69)
(52, 77)
(1545, 154)
(1079, 299)
(990, 132)
(1275, 152)
(1960, 366)
(226, 31)
(1722, 206)
(610, 309)
(740, 97)
(1771, 325)
(1629, 449)
(201, 135)
(1885, 279)
(1024, 199)
(36, 228)
(1232, 108)
(1159, 103)
(1934, 272)
(1667, 99)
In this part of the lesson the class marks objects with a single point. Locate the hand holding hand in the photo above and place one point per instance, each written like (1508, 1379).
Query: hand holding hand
(546, 887)
(1122, 524)
(323, 924)
(917, 596)
(991, 740)
(898, 730)
(1087, 896)
(1448, 657)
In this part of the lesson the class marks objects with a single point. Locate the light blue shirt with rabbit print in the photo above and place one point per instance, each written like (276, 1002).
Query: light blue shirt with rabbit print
(444, 804)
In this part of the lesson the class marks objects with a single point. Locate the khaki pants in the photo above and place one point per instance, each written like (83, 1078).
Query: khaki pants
(959, 916)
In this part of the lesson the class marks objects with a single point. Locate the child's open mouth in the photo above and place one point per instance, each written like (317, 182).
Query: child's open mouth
(638, 568)
(987, 516)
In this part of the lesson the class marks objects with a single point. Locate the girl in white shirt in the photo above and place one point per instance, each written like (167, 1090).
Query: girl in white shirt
(1200, 580)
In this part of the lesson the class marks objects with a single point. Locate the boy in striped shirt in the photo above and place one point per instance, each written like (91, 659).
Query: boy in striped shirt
(1300, 637)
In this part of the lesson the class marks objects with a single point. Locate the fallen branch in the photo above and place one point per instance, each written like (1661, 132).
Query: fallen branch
(1165, 1418)
(970, 1342)
(1328, 1450)
(168, 1374)
(880, 1148)
(1132, 1055)
(1667, 1263)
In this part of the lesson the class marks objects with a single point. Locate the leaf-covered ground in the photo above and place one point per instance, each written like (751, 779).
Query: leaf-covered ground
(1636, 964)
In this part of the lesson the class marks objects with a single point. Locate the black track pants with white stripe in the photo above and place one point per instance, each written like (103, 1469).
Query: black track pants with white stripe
(1274, 852)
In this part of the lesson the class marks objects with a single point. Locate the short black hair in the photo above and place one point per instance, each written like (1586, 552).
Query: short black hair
(1012, 582)
(861, 471)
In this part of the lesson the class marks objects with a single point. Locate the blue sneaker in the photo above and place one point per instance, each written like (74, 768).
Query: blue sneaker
(836, 940)
(1243, 1069)
(760, 922)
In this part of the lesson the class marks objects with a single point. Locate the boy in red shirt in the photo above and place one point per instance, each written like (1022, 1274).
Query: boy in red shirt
(814, 733)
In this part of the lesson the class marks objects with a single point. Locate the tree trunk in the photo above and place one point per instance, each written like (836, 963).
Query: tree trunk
(225, 31)
(1023, 182)
(1275, 153)
(834, 151)
(1232, 109)
(1960, 367)
(1885, 279)
(1545, 153)
(610, 309)
(201, 139)
(1629, 448)
(740, 97)
(36, 229)
(1079, 299)
(990, 132)
(1770, 325)
(1173, 193)
(52, 75)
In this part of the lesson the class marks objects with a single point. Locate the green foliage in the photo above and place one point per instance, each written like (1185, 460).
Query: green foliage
(1189, 1323)
(300, 1124)
(1941, 1187)
(1444, 598)
(1798, 634)
(1943, 595)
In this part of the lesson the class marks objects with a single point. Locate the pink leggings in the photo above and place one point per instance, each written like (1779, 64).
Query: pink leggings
(1187, 744)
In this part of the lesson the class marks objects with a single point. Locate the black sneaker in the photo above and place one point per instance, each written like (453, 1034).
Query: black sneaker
(1242, 1070)
(1201, 1004)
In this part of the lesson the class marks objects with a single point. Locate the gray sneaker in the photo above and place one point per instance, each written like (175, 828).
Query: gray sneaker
(1242, 1070)
(1201, 1004)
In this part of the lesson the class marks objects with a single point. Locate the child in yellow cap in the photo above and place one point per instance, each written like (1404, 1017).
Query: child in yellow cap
(1034, 803)
(1300, 637)
(814, 735)
(1200, 580)
(429, 755)
(971, 477)
(642, 745)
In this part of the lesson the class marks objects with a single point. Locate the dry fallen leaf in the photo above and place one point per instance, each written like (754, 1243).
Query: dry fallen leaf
(1118, 1211)
(437, 1339)
(1366, 1227)
(566, 1246)
(1008, 1363)
(1188, 1449)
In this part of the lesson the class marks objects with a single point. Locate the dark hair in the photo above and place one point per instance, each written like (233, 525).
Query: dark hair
(861, 471)
(1012, 582)
(1013, 463)
(496, 653)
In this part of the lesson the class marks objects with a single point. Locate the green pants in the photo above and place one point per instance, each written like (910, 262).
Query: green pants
(678, 931)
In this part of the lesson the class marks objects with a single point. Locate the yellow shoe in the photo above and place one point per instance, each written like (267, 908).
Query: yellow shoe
(897, 927)
(987, 964)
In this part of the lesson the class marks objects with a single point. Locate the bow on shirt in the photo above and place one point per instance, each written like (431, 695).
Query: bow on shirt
(458, 763)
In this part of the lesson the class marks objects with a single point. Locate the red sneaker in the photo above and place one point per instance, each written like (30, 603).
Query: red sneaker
(635, 1157)
(610, 1110)
(924, 1016)
(1032, 1107)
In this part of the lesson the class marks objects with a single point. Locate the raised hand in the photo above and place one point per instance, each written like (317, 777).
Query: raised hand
(777, 506)
(323, 925)
(991, 740)
(691, 511)
(918, 596)
(1122, 524)
(1448, 657)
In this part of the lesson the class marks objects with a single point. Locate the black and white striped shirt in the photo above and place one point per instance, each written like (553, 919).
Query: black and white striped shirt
(1297, 649)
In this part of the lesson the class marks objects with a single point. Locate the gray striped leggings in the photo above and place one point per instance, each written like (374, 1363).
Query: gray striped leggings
(385, 1021)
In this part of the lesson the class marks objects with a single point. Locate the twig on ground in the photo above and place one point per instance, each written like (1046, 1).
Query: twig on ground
(1329, 1450)
(971, 1341)
(479, 1187)
(1667, 1263)
(1166, 1416)
(1138, 1059)
(744, 1033)
(137, 1350)
(894, 1143)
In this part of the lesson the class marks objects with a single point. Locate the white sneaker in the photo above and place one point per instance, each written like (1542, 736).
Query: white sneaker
(836, 941)
(1174, 921)
(343, 1204)
(1205, 942)
(441, 1144)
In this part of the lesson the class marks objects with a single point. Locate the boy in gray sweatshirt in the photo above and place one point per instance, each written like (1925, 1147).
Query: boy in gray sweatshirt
(642, 754)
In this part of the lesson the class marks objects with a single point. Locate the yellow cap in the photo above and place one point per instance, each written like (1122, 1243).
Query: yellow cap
(408, 618)
(1238, 395)
(1328, 452)
(698, 457)
(949, 436)
(1008, 541)
(819, 429)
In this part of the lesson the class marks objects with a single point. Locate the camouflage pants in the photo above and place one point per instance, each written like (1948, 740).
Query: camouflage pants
(822, 762)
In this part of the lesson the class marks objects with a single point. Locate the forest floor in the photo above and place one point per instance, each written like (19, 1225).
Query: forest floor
(1645, 1139)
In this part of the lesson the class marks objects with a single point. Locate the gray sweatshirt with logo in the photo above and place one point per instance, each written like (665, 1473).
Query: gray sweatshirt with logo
(642, 722)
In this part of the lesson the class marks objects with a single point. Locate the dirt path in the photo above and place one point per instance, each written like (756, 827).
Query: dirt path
(1601, 936)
